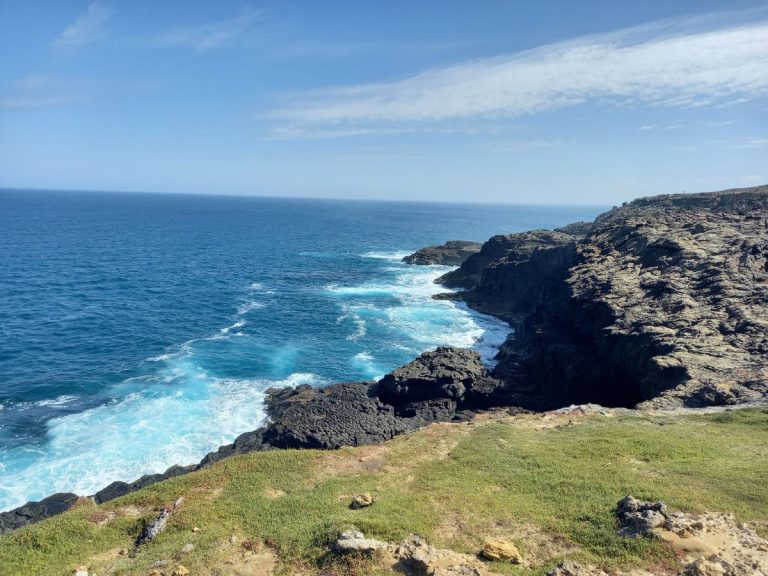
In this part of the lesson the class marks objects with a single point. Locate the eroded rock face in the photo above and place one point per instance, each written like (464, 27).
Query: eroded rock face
(663, 304)
(452, 253)
(510, 248)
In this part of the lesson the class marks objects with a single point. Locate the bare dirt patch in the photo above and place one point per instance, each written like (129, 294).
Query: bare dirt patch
(364, 459)
(238, 557)
(274, 493)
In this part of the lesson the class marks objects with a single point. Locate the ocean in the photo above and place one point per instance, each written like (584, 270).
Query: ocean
(139, 331)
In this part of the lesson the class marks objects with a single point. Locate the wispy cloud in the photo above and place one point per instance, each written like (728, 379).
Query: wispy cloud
(523, 145)
(86, 28)
(656, 65)
(209, 36)
(38, 91)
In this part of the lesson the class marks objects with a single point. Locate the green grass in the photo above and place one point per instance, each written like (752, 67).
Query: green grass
(551, 490)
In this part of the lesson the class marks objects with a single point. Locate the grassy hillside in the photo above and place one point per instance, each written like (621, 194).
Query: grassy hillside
(548, 483)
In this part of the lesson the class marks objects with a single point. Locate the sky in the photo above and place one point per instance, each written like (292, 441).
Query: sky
(554, 101)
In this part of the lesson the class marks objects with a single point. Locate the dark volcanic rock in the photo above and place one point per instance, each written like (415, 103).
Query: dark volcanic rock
(252, 441)
(576, 229)
(430, 389)
(446, 373)
(663, 303)
(512, 248)
(331, 417)
(117, 489)
(36, 511)
(452, 253)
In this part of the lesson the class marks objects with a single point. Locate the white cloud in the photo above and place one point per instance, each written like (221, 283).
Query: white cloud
(39, 91)
(653, 66)
(523, 145)
(209, 36)
(86, 28)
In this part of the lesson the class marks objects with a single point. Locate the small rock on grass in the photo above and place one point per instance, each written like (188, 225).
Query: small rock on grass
(353, 541)
(501, 550)
(362, 501)
(180, 570)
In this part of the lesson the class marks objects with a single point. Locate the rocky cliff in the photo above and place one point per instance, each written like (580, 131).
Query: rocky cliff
(664, 302)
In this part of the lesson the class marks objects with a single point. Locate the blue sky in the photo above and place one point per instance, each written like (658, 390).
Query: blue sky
(494, 101)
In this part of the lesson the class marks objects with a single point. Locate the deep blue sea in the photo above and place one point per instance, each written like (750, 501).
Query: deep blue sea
(141, 330)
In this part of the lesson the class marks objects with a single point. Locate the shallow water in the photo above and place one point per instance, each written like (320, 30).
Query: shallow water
(139, 331)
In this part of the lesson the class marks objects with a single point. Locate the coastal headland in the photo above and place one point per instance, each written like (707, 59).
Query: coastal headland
(657, 309)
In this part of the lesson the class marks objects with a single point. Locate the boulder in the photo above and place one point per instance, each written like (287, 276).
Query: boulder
(423, 558)
(638, 518)
(355, 542)
(362, 501)
(496, 549)
(453, 374)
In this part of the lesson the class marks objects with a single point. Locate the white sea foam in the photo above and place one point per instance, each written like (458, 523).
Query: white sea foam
(145, 432)
(392, 256)
(235, 326)
(179, 412)
(56, 402)
(256, 286)
(248, 306)
(366, 363)
(403, 301)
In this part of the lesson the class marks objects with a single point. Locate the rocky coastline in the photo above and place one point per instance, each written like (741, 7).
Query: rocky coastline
(661, 303)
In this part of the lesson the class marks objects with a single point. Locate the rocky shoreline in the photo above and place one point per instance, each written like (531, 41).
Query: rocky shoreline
(661, 303)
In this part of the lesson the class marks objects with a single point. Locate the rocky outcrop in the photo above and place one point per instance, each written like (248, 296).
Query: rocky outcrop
(117, 489)
(453, 374)
(331, 417)
(36, 511)
(452, 253)
(511, 249)
(438, 386)
(414, 555)
(663, 304)
(709, 544)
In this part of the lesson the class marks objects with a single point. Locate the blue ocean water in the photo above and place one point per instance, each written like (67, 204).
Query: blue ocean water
(140, 330)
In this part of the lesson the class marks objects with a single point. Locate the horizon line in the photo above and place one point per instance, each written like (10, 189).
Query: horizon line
(279, 197)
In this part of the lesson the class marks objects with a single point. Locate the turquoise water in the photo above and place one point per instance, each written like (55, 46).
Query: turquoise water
(140, 330)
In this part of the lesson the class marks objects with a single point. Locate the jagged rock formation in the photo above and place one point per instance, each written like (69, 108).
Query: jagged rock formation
(664, 303)
(512, 248)
(453, 374)
(452, 253)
